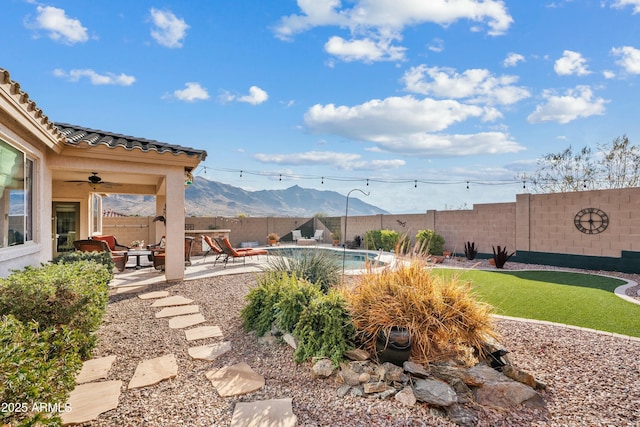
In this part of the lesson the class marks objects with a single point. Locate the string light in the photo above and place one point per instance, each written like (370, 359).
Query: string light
(322, 181)
(240, 174)
(467, 185)
(415, 185)
(367, 182)
(280, 177)
(524, 185)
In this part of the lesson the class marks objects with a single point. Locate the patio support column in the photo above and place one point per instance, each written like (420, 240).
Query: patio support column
(174, 261)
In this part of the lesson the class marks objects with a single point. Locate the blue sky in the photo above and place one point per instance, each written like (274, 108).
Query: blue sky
(425, 104)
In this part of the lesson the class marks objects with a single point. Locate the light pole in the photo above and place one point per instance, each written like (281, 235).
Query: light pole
(346, 215)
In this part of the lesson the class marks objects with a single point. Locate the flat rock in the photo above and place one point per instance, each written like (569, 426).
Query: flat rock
(357, 354)
(177, 311)
(434, 392)
(152, 371)
(210, 351)
(406, 397)
(415, 369)
(169, 301)
(203, 332)
(289, 339)
(87, 401)
(264, 413)
(186, 321)
(154, 295)
(95, 369)
(235, 380)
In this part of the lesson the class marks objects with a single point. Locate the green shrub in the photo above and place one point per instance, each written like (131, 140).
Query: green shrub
(260, 312)
(387, 240)
(319, 267)
(294, 298)
(74, 295)
(98, 257)
(37, 365)
(325, 329)
(430, 241)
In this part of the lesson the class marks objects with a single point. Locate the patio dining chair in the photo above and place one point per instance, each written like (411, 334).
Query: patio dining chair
(119, 258)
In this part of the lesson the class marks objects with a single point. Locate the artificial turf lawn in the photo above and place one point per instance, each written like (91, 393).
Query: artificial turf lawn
(577, 299)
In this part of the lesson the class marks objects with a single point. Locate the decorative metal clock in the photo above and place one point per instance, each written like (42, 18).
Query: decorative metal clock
(591, 221)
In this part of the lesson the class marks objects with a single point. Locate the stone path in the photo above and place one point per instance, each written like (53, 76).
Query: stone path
(91, 397)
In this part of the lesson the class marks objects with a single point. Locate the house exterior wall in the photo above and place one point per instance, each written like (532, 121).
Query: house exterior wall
(38, 250)
(538, 227)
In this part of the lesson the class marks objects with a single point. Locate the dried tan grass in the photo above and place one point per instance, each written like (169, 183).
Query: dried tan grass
(443, 316)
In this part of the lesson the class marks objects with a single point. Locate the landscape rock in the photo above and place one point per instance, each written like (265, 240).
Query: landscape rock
(498, 390)
(434, 392)
(394, 373)
(406, 397)
(448, 373)
(323, 368)
(462, 415)
(357, 354)
(374, 387)
(523, 377)
(289, 339)
(415, 369)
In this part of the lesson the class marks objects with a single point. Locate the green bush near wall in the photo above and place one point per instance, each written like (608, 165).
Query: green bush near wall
(48, 317)
(387, 240)
(430, 241)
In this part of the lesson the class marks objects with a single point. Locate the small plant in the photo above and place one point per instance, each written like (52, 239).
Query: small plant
(260, 312)
(386, 240)
(470, 250)
(273, 236)
(430, 241)
(336, 235)
(318, 267)
(443, 317)
(325, 329)
(501, 256)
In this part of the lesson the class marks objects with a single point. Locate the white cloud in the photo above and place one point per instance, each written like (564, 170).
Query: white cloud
(571, 63)
(619, 4)
(406, 125)
(512, 59)
(478, 85)
(385, 14)
(169, 30)
(191, 93)
(629, 58)
(366, 50)
(343, 161)
(576, 103)
(436, 45)
(608, 74)
(59, 26)
(256, 96)
(95, 78)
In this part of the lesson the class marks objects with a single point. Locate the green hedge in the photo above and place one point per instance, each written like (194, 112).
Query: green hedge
(48, 317)
(430, 241)
(387, 240)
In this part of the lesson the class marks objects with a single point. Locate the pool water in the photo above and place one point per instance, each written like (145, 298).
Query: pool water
(353, 260)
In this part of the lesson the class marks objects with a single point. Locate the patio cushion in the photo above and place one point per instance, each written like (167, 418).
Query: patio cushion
(111, 241)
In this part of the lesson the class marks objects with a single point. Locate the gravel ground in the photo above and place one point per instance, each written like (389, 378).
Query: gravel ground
(592, 378)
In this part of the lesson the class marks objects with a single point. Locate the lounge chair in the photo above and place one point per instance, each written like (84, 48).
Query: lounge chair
(215, 249)
(319, 235)
(119, 258)
(233, 253)
(296, 234)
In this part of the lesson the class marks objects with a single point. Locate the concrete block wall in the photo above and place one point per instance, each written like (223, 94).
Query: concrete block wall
(533, 223)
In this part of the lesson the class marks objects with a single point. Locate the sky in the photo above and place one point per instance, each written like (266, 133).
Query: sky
(438, 104)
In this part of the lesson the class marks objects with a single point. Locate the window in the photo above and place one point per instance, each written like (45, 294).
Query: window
(16, 196)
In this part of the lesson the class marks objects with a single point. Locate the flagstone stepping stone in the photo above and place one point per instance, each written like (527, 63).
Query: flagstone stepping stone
(129, 289)
(169, 301)
(210, 351)
(87, 401)
(235, 380)
(203, 332)
(152, 371)
(272, 413)
(95, 369)
(186, 321)
(177, 311)
(154, 295)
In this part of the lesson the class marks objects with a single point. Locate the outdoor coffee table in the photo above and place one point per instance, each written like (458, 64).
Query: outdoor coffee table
(138, 253)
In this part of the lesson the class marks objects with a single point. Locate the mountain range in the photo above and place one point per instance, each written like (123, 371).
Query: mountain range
(211, 198)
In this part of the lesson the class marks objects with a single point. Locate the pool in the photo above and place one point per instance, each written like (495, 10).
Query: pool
(353, 260)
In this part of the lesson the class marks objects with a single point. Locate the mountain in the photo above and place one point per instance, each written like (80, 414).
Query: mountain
(211, 198)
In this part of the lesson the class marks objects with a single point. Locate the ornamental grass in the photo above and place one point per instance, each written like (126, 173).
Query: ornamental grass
(443, 316)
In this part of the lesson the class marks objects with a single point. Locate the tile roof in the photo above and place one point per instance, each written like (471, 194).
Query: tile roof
(76, 134)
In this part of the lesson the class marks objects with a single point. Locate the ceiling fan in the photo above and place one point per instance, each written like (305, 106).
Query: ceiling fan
(94, 181)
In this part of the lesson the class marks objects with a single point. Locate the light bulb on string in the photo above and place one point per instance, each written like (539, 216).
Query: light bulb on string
(467, 185)
(415, 184)
(280, 177)
(367, 182)
(240, 174)
(524, 185)
(322, 180)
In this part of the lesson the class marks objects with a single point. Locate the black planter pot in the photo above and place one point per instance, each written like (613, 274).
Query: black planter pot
(396, 349)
